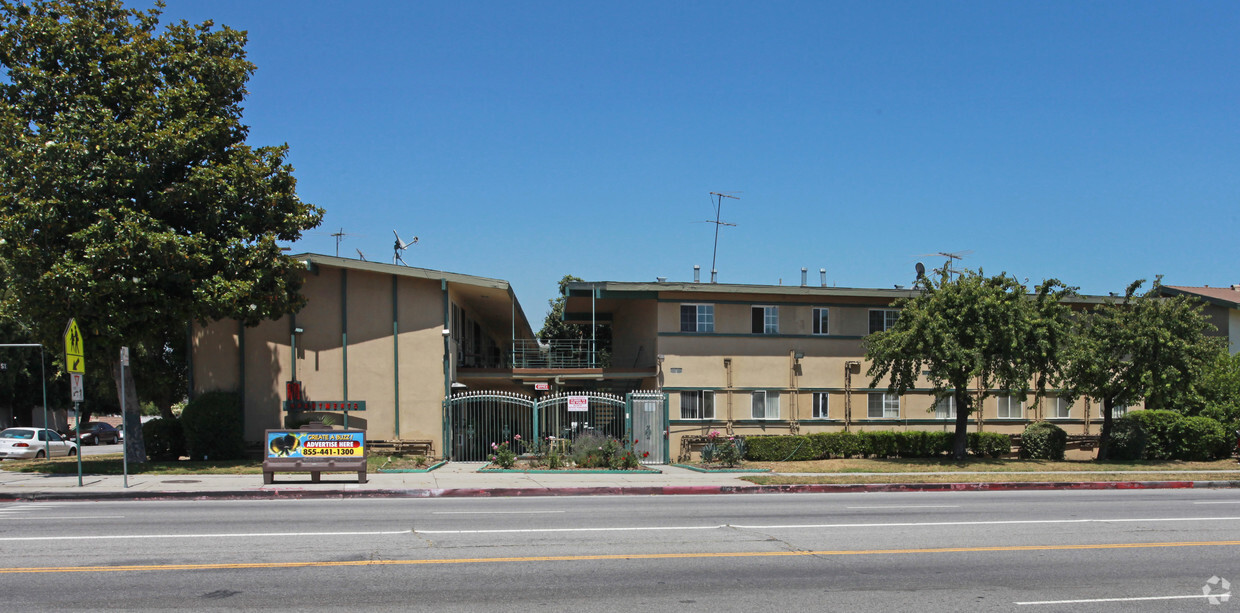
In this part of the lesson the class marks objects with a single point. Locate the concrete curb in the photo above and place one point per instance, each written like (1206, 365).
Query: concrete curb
(817, 488)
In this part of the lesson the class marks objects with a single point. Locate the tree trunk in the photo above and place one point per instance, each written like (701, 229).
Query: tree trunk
(135, 447)
(960, 448)
(1104, 439)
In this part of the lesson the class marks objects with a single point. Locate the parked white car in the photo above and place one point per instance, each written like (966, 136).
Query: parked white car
(34, 443)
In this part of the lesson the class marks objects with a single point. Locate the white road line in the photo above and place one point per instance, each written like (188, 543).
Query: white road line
(122, 537)
(821, 526)
(1132, 599)
(1218, 502)
(39, 517)
(494, 512)
(912, 506)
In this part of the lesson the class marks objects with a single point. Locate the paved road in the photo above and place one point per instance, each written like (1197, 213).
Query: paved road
(857, 552)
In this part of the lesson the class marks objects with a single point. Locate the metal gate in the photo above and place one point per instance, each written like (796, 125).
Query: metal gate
(475, 420)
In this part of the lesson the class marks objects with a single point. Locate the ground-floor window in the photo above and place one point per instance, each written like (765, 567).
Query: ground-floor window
(883, 406)
(697, 405)
(820, 405)
(1010, 407)
(765, 405)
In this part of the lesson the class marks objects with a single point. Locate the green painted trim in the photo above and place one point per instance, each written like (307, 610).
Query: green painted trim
(778, 303)
(344, 337)
(722, 470)
(413, 470)
(575, 471)
(395, 362)
(837, 337)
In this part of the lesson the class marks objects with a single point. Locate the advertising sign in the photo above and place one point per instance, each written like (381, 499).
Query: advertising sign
(542, 387)
(578, 403)
(323, 444)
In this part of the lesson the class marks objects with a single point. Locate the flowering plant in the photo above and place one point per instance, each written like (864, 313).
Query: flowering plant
(728, 451)
(503, 455)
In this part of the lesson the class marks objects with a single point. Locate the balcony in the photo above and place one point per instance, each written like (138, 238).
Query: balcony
(558, 354)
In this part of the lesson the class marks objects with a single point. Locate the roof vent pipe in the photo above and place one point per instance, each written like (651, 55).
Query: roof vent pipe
(714, 276)
(661, 279)
(804, 280)
(697, 273)
(822, 272)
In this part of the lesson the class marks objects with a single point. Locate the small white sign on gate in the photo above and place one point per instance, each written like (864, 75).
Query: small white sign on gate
(578, 403)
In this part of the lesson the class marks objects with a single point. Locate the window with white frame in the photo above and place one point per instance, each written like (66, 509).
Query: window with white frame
(883, 319)
(820, 405)
(765, 405)
(820, 320)
(1118, 411)
(697, 405)
(1010, 407)
(883, 406)
(764, 320)
(697, 318)
(945, 408)
(1060, 408)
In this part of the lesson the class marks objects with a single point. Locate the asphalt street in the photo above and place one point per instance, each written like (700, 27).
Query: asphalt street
(1002, 551)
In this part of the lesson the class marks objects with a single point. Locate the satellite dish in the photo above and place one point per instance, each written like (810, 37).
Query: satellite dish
(921, 270)
(399, 247)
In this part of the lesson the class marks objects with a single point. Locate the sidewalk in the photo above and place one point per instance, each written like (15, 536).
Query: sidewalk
(462, 479)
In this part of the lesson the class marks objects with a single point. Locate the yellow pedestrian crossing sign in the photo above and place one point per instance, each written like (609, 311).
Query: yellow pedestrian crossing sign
(75, 356)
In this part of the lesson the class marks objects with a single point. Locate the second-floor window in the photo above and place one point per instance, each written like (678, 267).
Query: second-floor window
(883, 319)
(697, 318)
(765, 320)
(820, 321)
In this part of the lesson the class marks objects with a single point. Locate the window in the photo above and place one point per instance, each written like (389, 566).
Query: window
(884, 406)
(820, 405)
(697, 318)
(820, 321)
(765, 405)
(765, 320)
(945, 408)
(1117, 411)
(1060, 409)
(883, 319)
(697, 405)
(1011, 407)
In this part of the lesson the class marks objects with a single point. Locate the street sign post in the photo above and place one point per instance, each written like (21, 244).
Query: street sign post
(75, 363)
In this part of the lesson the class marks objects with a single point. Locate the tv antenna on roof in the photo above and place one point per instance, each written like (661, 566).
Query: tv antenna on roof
(949, 267)
(338, 235)
(361, 255)
(400, 247)
(717, 200)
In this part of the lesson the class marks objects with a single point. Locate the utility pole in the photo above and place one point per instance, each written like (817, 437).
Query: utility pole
(718, 198)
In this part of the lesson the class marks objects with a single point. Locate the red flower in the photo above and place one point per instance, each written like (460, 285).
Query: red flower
(645, 454)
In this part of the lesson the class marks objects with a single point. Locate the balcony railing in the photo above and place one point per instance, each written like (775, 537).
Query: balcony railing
(556, 354)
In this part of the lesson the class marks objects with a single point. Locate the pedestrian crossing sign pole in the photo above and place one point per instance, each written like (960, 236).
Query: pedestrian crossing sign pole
(75, 363)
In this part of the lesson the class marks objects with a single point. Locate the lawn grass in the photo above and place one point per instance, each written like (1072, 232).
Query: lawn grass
(985, 465)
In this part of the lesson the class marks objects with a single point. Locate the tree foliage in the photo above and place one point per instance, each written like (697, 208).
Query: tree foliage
(972, 330)
(129, 198)
(1143, 346)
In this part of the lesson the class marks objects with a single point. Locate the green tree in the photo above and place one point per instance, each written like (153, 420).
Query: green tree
(1141, 347)
(129, 198)
(555, 328)
(972, 329)
(1218, 389)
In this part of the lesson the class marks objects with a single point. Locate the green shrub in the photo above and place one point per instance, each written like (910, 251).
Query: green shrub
(212, 425)
(944, 442)
(1198, 439)
(1043, 441)
(778, 448)
(881, 444)
(989, 444)
(164, 439)
(1128, 440)
(827, 445)
(1160, 443)
(922, 444)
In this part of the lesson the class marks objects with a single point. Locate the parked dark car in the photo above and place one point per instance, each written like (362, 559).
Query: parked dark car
(98, 433)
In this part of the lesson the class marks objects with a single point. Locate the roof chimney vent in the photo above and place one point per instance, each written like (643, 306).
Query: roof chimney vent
(822, 272)
(697, 273)
(804, 279)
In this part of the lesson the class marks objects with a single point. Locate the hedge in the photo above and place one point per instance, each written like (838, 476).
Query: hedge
(877, 444)
(1043, 441)
(212, 424)
(989, 444)
(164, 439)
(1160, 442)
(779, 448)
(1128, 440)
(1198, 439)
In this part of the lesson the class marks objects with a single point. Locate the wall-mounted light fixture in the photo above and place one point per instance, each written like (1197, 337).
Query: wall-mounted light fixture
(299, 330)
(446, 332)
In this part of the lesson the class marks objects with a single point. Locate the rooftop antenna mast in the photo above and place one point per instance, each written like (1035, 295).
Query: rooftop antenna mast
(339, 234)
(718, 197)
(949, 267)
(400, 248)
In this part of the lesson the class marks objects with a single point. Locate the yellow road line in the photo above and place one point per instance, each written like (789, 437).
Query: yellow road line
(634, 556)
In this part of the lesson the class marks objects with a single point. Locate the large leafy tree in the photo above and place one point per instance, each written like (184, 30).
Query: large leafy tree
(955, 332)
(1140, 347)
(129, 198)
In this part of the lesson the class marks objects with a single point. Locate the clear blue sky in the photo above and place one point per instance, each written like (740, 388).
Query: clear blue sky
(1095, 142)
